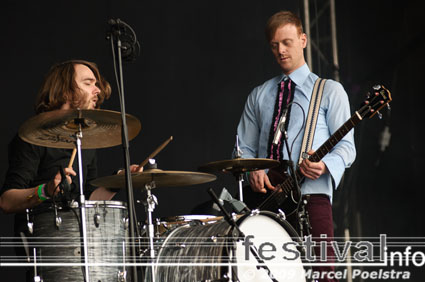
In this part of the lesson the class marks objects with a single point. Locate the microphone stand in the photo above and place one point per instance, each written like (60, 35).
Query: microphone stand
(115, 34)
(239, 175)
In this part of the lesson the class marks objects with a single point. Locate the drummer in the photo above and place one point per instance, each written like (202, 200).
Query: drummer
(34, 174)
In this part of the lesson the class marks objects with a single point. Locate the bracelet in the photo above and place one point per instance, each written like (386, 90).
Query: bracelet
(45, 192)
(40, 193)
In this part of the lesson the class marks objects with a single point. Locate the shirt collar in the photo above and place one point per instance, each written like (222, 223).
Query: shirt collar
(299, 75)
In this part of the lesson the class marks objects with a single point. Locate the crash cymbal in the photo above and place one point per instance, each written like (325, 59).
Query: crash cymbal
(162, 178)
(56, 129)
(238, 165)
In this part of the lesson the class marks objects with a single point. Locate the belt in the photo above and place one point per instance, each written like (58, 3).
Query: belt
(308, 196)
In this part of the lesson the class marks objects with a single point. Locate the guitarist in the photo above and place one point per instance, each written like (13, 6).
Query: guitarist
(290, 92)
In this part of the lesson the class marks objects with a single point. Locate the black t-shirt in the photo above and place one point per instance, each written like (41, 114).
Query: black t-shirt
(31, 165)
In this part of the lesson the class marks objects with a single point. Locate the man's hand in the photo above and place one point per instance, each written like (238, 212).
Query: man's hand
(133, 169)
(52, 185)
(259, 181)
(311, 169)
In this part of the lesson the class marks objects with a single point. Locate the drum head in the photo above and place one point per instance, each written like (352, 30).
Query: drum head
(274, 245)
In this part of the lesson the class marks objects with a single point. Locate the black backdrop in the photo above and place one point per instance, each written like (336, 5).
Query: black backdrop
(199, 60)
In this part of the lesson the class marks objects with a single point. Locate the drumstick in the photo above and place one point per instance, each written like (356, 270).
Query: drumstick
(154, 153)
(71, 161)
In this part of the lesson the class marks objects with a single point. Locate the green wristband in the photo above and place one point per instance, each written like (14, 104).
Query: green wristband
(40, 193)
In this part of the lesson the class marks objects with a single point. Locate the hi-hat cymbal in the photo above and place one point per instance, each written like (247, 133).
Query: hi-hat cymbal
(57, 129)
(162, 178)
(238, 165)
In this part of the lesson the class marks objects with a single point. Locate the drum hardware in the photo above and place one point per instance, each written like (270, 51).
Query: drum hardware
(150, 204)
(254, 212)
(281, 214)
(239, 176)
(25, 245)
(122, 275)
(125, 223)
(96, 216)
(79, 136)
(30, 224)
(96, 219)
(303, 220)
(36, 277)
(58, 219)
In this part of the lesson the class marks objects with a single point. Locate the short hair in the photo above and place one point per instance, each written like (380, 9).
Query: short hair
(59, 86)
(280, 19)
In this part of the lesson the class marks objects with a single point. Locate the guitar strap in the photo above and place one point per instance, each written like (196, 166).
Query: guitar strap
(313, 113)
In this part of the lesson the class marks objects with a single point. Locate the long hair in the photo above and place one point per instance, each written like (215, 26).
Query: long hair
(280, 19)
(59, 86)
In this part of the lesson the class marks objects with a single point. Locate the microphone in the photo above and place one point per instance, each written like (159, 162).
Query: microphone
(237, 205)
(130, 46)
(280, 126)
(65, 187)
(113, 22)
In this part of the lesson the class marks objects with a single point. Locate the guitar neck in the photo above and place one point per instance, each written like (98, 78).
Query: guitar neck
(335, 138)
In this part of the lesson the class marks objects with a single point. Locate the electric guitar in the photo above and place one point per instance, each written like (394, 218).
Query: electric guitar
(287, 195)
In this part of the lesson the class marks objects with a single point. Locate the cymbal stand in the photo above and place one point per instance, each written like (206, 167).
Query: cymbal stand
(79, 135)
(151, 202)
(239, 175)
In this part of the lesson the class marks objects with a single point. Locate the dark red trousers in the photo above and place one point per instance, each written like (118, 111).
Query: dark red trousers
(319, 210)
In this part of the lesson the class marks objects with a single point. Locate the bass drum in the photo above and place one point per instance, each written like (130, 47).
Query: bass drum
(204, 253)
(58, 240)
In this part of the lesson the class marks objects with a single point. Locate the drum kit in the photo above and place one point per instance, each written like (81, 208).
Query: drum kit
(89, 240)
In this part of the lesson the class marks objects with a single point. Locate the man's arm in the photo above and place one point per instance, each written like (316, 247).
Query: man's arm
(17, 200)
(249, 134)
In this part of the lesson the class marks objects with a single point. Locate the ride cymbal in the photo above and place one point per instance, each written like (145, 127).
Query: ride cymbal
(57, 129)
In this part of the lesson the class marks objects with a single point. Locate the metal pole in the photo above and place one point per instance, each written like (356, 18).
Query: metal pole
(334, 45)
(307, 31)
(79, 135)
(128, 180)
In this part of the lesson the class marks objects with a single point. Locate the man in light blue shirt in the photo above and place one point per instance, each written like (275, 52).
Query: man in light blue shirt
(287, 41)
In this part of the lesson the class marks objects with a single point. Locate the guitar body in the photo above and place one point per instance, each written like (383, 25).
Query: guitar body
(287, 202)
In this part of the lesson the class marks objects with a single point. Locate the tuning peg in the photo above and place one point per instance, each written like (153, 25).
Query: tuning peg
(368, 95)
(388, 107)
(379, 114)
(376, 87)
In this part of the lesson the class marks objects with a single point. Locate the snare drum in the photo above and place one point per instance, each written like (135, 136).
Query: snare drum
(58, 239)
(203, 253)
(167, 224)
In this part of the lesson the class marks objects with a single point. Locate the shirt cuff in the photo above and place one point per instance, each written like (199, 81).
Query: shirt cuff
(336, 168)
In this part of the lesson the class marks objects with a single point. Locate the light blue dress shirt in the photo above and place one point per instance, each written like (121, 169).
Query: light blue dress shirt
(254, 126)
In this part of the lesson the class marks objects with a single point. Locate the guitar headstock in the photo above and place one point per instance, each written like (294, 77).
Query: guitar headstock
(376, 99)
